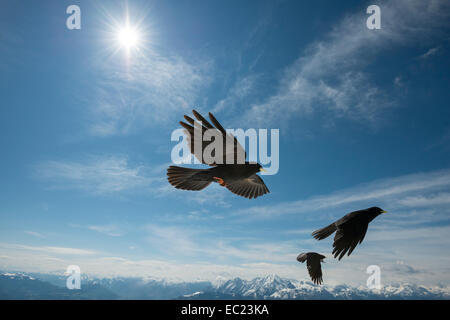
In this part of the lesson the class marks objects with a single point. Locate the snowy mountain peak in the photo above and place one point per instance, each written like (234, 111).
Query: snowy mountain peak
(275, 287)
(256, 287)
(19, 275)
(44, 286)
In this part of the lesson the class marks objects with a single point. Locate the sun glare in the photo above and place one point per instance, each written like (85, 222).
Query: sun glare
(128, 37)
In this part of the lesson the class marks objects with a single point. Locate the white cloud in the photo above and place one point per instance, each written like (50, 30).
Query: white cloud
(98, 175)
(189, 252)
(414, 230)
(393, 192)
(397, 266)
(252, 260)
(145, 92)
(238, 93)
(405, 255)
(330, 74)
(170, 270)
(35, 234)
(423, 201)
(173, 240)
(197, 243)
(109, 229)
(429, 53)
(49, 249)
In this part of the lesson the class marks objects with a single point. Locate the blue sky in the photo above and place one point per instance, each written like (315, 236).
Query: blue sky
(85, 132)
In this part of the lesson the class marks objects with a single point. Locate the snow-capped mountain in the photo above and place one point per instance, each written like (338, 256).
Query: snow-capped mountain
(45, 286)
(17, 276)
(258, 287)
(22, 286)
(274, 287)
(306, 290)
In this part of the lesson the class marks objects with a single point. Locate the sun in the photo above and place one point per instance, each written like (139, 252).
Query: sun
(128, 37)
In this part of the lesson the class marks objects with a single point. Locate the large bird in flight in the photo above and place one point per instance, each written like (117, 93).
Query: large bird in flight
(313, 261)
(239, 176)
(350, 230)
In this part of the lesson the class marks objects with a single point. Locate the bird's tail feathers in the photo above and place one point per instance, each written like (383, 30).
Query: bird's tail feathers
(324, 232)
(187, 178)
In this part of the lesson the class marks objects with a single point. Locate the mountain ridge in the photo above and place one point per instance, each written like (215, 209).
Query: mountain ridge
(271, 287)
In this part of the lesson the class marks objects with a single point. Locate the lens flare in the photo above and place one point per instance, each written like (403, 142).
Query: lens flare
(128, 37)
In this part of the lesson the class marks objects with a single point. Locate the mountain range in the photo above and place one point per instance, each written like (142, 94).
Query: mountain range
(52, 286)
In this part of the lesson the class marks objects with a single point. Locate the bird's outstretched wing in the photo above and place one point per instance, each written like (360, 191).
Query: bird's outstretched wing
(347, 237)
(251, 187)
(229, 149)
(314, 269)
(313, 260)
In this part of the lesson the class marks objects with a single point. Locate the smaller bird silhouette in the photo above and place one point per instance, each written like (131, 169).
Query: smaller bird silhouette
(313, 261)
(350, 230)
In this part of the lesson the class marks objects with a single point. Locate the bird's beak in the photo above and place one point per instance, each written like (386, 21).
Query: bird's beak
(382, 211)
(262, 169)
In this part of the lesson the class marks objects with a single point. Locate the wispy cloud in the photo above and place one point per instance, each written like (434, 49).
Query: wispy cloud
(239, 94)
(98, 175)
(394, 193)
(169, 270)
(172, 239)
(429, 53)
(35, 234)
(331, 73)
(397, 265)
(144, 92)
(204, 245)
(423, 201)
(50, 249)
(109, 229)
(413, 231)
(189, 252)
(414, 202)
(387, 232)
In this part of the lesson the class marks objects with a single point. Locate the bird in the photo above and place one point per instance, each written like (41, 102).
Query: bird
(350, 230)
(239, 176)
(313, 260)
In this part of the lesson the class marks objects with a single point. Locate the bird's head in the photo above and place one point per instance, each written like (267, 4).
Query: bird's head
(256, 166)
(260, 168)
(377, 210)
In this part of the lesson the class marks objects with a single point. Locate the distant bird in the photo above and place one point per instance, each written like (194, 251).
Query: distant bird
(351, 230)
(313, 261)
(238, 177)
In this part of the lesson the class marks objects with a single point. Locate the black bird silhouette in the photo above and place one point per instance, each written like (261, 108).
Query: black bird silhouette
(239, 177)
(313, 261)
(350, 230)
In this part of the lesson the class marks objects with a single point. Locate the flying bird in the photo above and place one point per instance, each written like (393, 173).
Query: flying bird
(313, 261)
(239, 176)
(350, 230)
